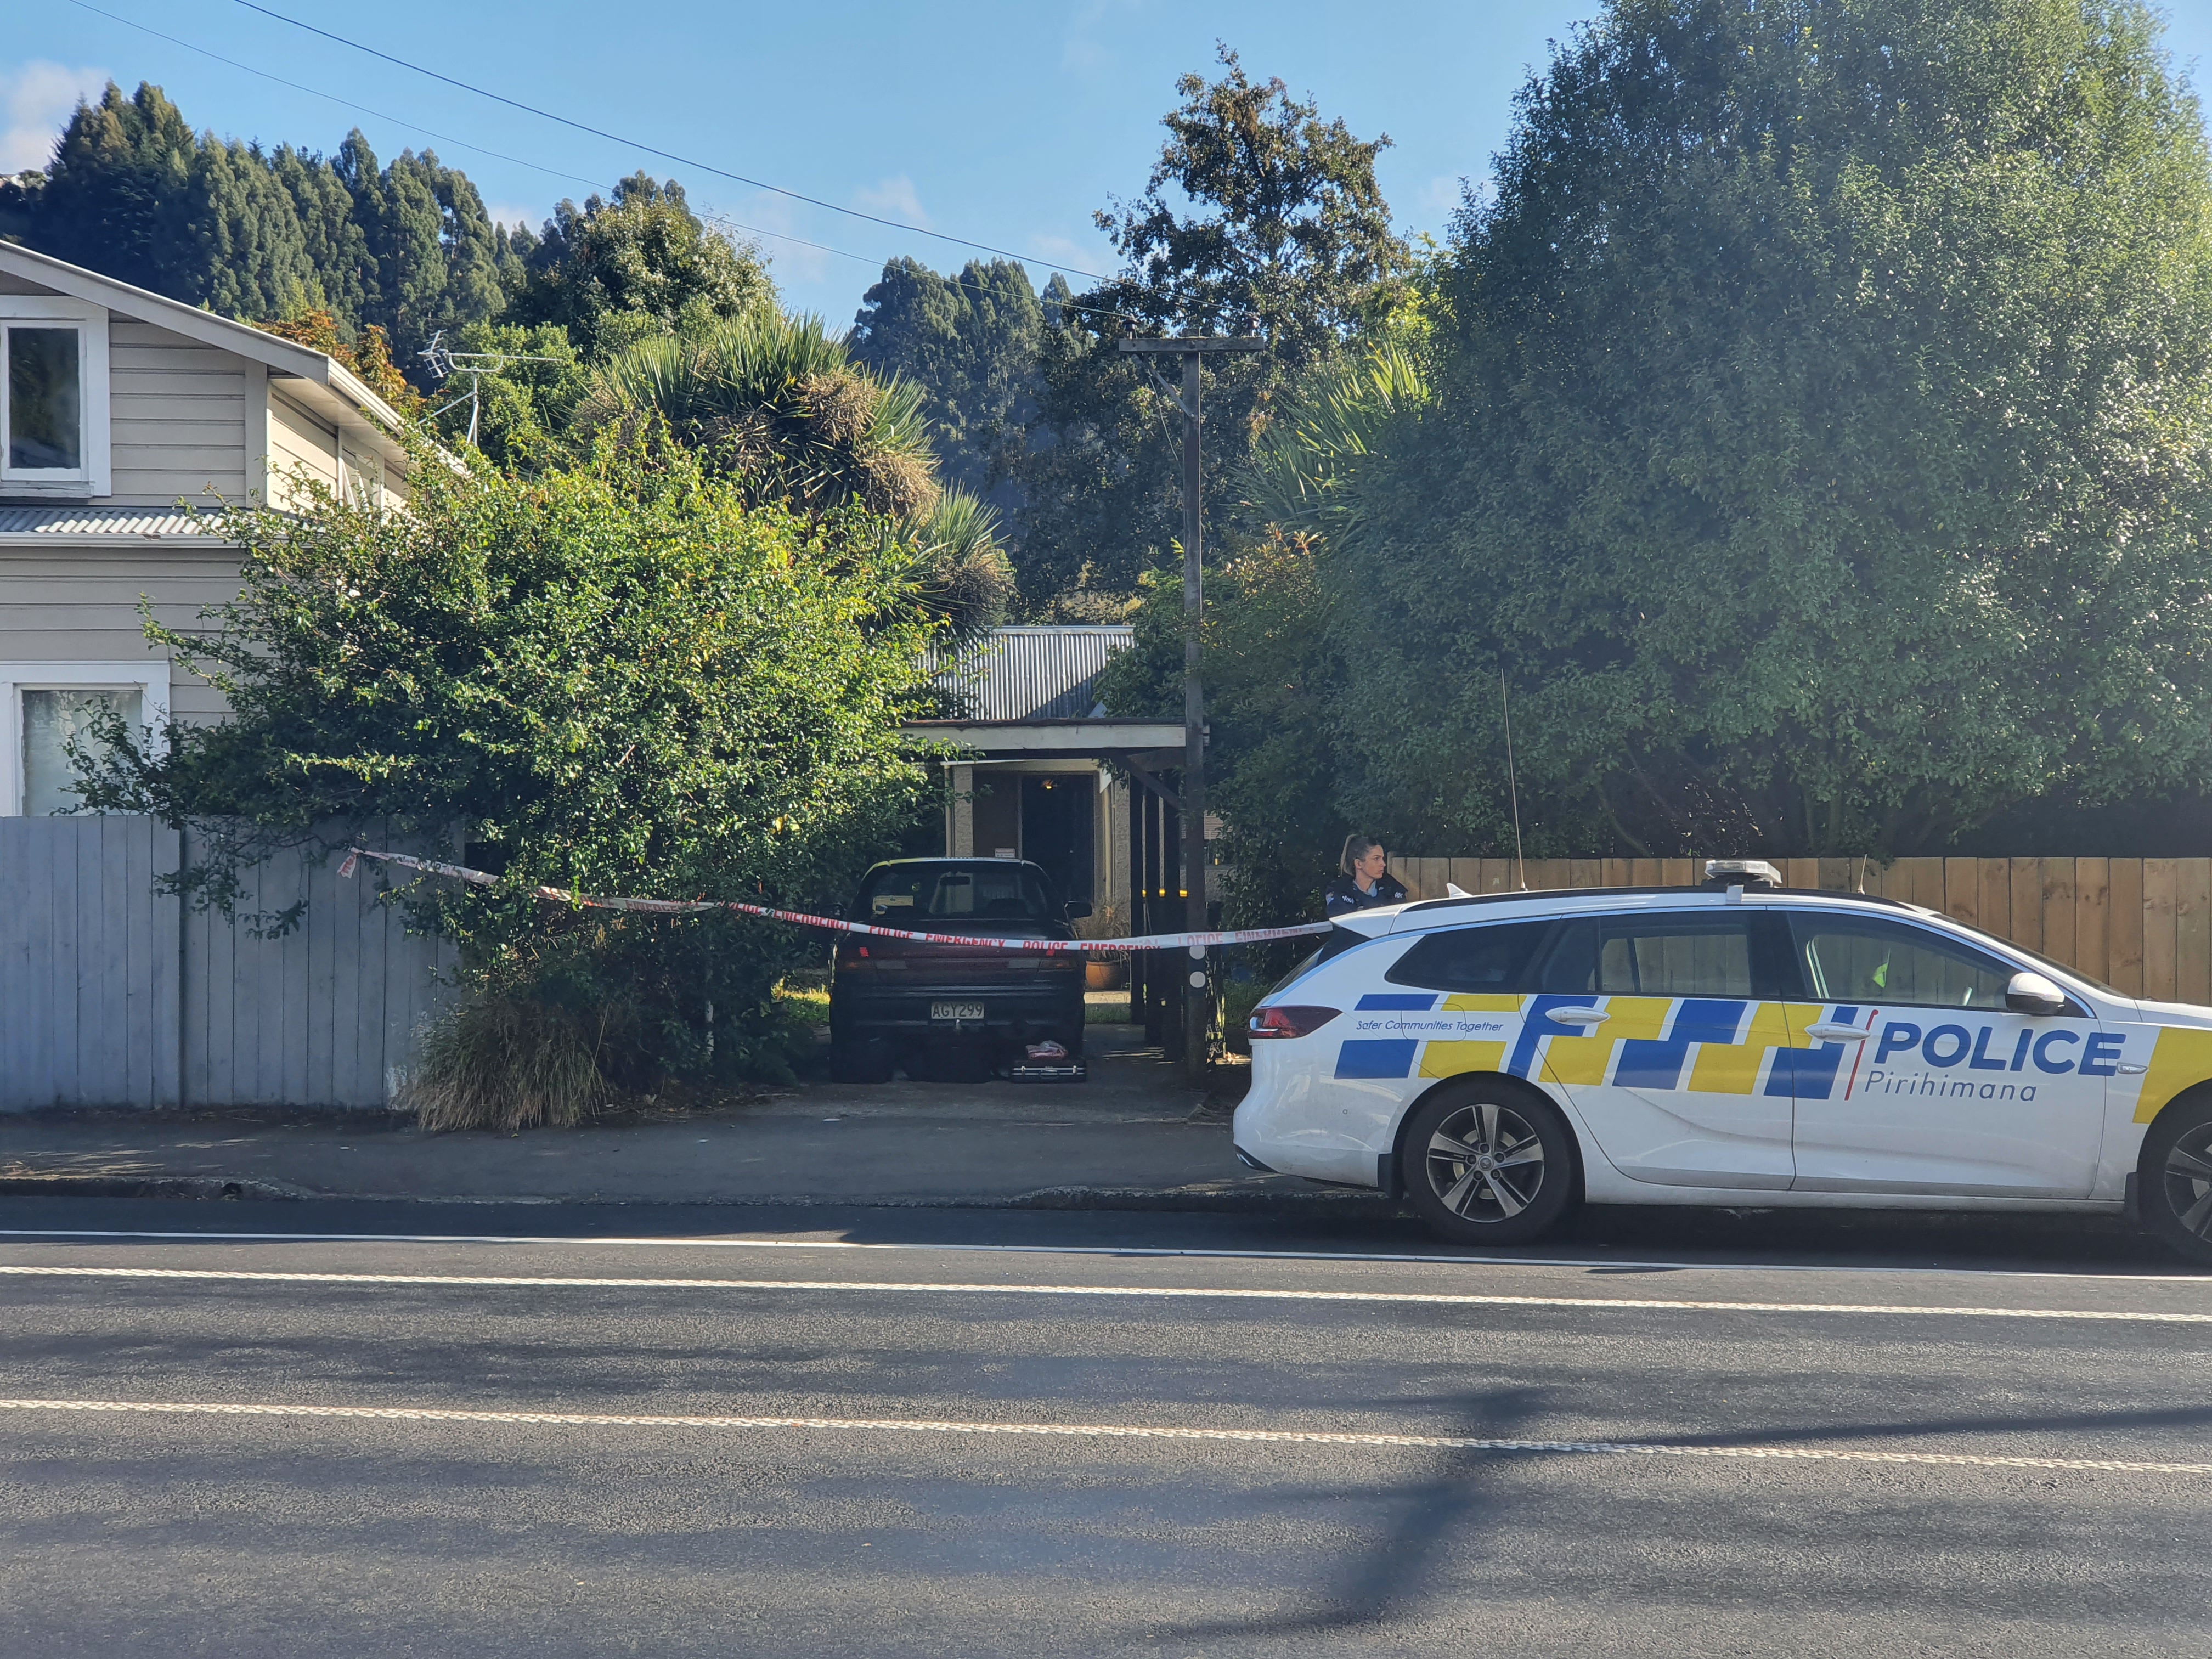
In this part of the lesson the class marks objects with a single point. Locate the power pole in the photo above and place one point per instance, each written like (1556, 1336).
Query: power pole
(1192, 349)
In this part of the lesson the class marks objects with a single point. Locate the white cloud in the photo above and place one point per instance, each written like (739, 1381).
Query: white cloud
(894, 199)
(1083, 52)
(512, 214)
(38, 99)
(762, 216)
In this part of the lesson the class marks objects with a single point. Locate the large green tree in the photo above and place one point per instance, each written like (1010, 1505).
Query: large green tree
(1823, 441)
(1259, 217)
(970, 343)
(133, 192)
(639, 264)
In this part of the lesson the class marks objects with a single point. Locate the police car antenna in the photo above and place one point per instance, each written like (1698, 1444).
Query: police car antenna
(1520, 864)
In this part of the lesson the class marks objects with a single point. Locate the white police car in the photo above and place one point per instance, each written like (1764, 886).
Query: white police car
(1498, 1060)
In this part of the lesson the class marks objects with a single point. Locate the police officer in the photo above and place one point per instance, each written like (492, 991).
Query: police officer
(1366, 881)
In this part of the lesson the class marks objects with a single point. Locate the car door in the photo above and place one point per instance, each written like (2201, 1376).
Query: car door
(1927, 1082)
(1673, 1065)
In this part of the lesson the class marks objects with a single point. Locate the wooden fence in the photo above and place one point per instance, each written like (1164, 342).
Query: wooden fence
(2143, 925)
(113, 994)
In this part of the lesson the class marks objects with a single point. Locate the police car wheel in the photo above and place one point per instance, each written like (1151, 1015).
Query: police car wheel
(2174, 1186)
(1486, 1165)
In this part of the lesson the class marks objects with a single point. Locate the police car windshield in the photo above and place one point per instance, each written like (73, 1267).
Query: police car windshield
(916, 894)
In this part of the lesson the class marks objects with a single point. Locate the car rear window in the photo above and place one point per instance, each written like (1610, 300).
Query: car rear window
(914, 895)
(1500, 957)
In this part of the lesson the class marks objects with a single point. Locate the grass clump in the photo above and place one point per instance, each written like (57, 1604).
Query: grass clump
(507, 1063)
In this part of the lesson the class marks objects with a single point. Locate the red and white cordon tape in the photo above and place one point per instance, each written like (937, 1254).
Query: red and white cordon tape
(695, 907)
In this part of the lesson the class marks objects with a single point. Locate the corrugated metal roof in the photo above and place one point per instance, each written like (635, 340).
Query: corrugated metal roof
(1034, 674)
(106, 522)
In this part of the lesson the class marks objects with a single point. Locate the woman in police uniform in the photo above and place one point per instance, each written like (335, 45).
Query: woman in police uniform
(1366, 882)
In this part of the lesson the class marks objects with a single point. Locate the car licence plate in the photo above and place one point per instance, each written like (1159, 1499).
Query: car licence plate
(955, 1011)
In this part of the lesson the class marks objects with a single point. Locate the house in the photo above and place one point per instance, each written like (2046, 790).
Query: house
(120, 405)
(116, 406)
(1028, 777)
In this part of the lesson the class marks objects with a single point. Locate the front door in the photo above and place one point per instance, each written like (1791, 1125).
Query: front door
(1935, 1086)
(1675, 1070)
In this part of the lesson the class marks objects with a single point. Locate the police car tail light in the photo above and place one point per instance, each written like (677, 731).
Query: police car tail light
(1289, 1021)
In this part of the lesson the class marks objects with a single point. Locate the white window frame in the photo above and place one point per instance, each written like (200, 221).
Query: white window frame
(97, 476)
(149, 677)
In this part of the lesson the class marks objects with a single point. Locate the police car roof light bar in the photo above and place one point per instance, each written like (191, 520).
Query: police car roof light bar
(1741, 872)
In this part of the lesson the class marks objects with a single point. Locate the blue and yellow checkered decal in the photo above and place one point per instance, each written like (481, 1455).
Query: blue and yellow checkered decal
(1716, 1045)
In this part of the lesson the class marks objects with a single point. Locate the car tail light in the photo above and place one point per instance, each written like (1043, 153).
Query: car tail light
(852, 954)
(1289, 1021)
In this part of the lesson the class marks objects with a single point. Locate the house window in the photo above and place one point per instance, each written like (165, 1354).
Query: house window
(53, 720)
(49, 707)
(46, 400)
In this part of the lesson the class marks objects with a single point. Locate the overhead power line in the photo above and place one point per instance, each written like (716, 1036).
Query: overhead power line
(448, 138)
(668, 154)
(710, 217)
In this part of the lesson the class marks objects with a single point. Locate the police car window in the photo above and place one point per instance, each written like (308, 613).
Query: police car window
(1866, 959)
(1662, 956)
(1493, 959)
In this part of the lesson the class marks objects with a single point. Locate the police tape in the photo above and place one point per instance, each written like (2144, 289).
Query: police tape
(698, 907)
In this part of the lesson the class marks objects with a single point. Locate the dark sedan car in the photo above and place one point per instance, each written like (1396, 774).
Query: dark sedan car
(899, 1001)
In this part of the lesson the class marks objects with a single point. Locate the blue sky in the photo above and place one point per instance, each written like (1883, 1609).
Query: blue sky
(1006, 124)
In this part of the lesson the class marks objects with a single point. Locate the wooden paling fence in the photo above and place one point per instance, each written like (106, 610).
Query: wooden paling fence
(2143, 925)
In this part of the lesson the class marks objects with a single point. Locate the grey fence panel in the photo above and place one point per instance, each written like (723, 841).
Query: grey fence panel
(114, 995)
(326, 1014)
(89, 964)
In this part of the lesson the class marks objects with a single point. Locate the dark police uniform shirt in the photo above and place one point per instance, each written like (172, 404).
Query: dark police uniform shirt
(1343, 895)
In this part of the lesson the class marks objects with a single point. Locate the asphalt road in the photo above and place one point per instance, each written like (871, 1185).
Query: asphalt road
(932, 1432)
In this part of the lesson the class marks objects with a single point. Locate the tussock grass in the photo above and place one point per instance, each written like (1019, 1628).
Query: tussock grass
(504, 1063)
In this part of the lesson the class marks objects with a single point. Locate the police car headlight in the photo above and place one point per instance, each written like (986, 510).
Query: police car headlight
(1288, 1022)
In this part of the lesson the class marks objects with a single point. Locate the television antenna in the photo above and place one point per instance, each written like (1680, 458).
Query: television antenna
(445, 362)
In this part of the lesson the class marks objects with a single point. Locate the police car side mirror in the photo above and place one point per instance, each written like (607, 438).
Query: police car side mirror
(2031, 993)
(1077, 909)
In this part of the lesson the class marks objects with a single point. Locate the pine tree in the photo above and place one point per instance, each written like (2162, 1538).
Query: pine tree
(970, 342)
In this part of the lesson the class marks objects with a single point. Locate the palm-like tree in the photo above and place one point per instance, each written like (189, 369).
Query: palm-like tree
(775, 402)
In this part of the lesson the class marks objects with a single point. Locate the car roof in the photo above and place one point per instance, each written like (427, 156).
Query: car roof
(898, 864)
(1558, 901)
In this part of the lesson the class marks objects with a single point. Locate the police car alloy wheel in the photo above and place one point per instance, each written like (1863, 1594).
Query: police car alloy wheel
(2175, 1186)
(1487, 1165)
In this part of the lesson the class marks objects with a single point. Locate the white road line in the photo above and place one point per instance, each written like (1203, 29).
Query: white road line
(688, 1242)
(1101, 1431)
(1141, 1292)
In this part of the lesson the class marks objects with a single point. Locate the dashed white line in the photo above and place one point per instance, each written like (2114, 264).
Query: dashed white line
(1101, 1431)
(1141, 1292)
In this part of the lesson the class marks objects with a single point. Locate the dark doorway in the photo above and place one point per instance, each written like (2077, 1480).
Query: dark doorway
(1059, 814)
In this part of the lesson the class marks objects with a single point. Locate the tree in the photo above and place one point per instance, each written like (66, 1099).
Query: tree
(1822, 444)
(970, 343)
(772, 401)
(616, 272)
(133, 193)
(1285, 233)
(624, 679)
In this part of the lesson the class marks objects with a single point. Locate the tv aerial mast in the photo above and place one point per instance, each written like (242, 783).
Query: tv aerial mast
(445, 362)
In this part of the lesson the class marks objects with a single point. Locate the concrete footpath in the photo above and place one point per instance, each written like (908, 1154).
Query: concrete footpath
(1136, 1135)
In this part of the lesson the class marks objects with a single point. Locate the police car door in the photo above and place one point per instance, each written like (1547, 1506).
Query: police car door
(1673, 1074)
(1920, 1080)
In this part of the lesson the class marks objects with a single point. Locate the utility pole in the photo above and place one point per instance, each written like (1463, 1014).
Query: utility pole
(1192, 349)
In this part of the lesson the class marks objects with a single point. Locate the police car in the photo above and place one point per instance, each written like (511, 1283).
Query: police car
(1499, 1059)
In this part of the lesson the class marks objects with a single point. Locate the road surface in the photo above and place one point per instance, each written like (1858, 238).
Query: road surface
(224, 1430)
